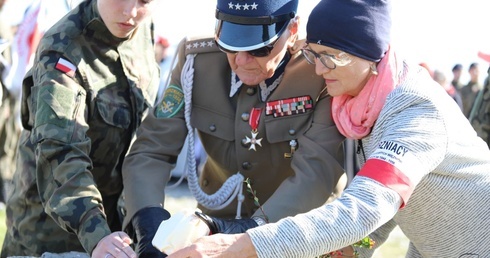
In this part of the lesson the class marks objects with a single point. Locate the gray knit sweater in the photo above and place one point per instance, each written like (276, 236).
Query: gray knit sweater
(426, 171)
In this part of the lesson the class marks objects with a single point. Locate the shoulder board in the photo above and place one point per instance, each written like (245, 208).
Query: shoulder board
(200, 45)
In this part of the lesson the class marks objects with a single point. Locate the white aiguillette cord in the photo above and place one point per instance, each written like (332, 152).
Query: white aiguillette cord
(233, 186)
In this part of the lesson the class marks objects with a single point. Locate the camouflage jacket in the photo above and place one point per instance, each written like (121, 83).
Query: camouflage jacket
(83, 100)
(480, 114)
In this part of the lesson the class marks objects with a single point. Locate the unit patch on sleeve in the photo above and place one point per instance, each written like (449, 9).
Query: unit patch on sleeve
(66, 67)
(172, 102)
(287, 107)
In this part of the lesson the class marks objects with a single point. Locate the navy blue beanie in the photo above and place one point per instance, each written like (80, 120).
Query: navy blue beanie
(358, 27)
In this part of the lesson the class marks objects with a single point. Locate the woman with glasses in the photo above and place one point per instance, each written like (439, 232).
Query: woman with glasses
(262, 115)
(423, 167)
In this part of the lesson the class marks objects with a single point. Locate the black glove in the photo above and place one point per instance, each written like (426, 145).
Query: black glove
(145, 224)
(227, 226)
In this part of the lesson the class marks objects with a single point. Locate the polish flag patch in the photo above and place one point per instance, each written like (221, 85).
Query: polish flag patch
(66, 67)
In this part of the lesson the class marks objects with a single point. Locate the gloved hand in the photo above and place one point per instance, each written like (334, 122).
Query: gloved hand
(145, 224)
(227, 226)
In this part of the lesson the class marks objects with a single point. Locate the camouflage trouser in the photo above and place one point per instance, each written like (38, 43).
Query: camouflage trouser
(9, 136)
(30, 231)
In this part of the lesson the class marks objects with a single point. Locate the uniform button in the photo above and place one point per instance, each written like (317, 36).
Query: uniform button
(205, 182)
(246, 165)
(245, 116)
(244, 143)
(292, 132)
(251, 91)
(212, 128)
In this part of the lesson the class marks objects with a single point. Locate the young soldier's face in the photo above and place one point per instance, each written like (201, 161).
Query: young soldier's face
(122, 17)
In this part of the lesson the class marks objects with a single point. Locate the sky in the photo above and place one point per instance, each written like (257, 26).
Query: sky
(440, 33)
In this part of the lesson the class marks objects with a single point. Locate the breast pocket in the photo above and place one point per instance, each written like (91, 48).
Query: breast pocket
(115, 114)
(110, 130)
(220, 125)
(287, 128)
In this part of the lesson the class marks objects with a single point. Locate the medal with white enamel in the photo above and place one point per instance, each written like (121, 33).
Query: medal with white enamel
(254, 123)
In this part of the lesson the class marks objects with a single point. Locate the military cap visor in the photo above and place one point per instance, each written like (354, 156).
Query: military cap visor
(248, 33)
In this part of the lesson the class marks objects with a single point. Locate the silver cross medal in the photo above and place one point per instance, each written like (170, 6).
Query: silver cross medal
(253, 140)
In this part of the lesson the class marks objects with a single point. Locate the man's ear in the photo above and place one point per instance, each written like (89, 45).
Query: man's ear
(294, 26)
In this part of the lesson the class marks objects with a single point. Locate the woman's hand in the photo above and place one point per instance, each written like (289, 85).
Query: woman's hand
(116, 244)
(218, 246)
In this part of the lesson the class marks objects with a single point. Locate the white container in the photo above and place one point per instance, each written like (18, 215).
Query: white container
(181, 230)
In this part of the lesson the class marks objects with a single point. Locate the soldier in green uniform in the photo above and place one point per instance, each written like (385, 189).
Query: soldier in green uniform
(93, 79)
(480, 113)
(262, 115)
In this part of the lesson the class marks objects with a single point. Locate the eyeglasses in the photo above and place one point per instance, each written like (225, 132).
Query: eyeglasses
(259, 52)
(328, 60)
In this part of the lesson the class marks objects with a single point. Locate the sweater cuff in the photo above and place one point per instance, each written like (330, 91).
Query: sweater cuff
(92, 231)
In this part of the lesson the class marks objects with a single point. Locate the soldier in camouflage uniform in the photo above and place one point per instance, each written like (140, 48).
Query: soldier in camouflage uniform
(93, 79)
(261, 113)
(480, 113)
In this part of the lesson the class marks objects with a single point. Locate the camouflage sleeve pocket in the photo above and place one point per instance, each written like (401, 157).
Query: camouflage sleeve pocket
(55, 112)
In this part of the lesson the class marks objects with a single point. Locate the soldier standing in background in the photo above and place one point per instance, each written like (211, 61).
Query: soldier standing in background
(470, 90)
(93, 78)
(480, 114)
(456, 71)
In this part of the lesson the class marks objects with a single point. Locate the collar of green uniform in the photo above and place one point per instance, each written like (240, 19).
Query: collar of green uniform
(279, 70)
(237, 84)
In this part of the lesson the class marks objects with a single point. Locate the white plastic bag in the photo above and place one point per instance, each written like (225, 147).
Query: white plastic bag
(181, 230)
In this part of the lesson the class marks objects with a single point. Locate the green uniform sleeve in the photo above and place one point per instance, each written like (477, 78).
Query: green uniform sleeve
(66, 185)
(153, 154)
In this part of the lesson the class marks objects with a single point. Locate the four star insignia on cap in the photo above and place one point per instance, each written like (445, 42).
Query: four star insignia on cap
(238, 6)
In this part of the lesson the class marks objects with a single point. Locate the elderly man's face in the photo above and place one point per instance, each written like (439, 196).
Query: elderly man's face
(252, 70)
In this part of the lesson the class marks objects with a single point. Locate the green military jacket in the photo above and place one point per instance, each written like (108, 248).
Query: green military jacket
(82, 102)
(480, 113)
(284, 186)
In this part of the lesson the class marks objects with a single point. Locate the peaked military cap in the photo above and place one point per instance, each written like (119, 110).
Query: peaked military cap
(244, 25)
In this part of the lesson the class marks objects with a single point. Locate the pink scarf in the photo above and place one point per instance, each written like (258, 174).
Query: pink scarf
(355, 116)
